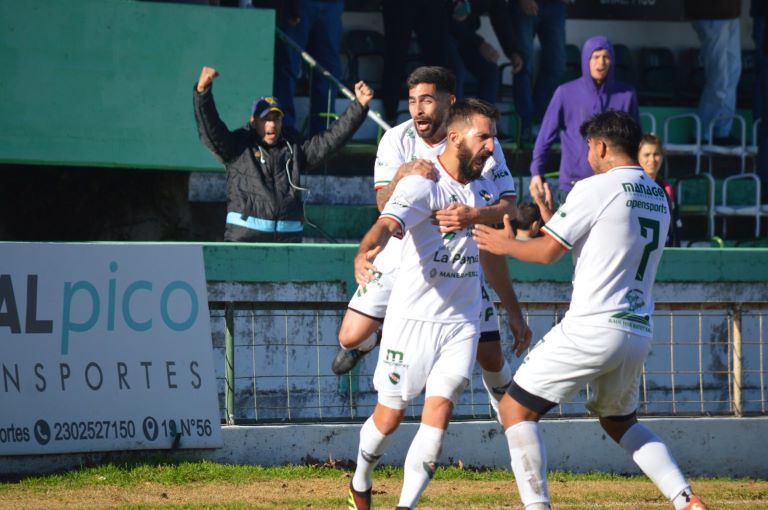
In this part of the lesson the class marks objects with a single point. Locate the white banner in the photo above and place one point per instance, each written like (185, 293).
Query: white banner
(105, 347)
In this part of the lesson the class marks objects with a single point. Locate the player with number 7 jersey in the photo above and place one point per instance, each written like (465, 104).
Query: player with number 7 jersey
(615, 225)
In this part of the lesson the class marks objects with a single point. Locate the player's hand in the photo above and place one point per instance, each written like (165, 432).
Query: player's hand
(496, 241)
(454, 217)
(536, 187)
(363, 93)
(517, 63)
(207, 75)
(544, 198)
(364, 268)
(529, 7)
(488, 52)
(520, 331)
(422, 167)
(545, 203)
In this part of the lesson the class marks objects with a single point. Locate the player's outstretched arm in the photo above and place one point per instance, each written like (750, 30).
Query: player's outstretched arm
(422, 167)
(497, 273)
(541, 250)
(459, 216)
(373, 242)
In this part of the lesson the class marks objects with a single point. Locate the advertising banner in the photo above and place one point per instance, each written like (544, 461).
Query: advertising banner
(105, 347)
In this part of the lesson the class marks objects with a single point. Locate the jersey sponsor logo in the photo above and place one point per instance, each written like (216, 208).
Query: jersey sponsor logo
(459, 258)
(361, 291)
(632, 321)
(635, 299)
(395, 356)
(646, 206)
(639, 187)
(468, 274)
(498, 173)
(488, 313)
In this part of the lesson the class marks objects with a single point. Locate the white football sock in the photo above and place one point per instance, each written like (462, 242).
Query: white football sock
(652, 456)
(420, 463)
(369, 343)
(496, 384)
(529, 463)
(372, 446)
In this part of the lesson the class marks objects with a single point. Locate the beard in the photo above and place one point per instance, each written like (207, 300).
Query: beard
(470, 167)
(435, 123)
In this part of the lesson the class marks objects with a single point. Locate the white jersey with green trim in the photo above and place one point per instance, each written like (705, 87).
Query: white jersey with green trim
(402, 144)
(616, 224)
(439, 275)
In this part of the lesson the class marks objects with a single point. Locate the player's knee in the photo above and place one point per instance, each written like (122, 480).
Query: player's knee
(490, 357)
(388, 414)
(616, 426)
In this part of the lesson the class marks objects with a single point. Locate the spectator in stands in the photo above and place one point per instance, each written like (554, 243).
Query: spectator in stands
(430, 20)
(545, 19)
(650, 155)
(264, 164)
(527, 223)
(573, 103)
(479, 57)
(759, 12)
(717, 25)
(315, 25)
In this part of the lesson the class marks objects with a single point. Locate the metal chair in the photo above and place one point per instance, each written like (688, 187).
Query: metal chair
(680, 145)
(711, 149)
(740, 198)
(696, 197)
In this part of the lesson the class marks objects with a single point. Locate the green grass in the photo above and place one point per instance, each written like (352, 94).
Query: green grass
(135, 472)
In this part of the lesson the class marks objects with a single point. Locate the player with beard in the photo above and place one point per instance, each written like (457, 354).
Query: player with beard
(432, 328)
(406, 150)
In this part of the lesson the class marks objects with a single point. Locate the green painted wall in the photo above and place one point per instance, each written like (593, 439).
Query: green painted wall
(333, 262)
(109, 82)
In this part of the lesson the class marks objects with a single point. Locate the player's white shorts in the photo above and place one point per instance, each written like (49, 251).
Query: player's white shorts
(372, 300)
(417, 354)
(572, 355)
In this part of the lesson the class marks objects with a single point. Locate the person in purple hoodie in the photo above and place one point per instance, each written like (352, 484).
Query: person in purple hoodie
(572, 104)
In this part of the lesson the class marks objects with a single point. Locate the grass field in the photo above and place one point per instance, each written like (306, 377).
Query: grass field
(200, 485)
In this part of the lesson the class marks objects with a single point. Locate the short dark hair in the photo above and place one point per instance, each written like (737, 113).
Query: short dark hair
(651, 139)
(464, 109)
(619, 129)
(527, 214)
(442, 78)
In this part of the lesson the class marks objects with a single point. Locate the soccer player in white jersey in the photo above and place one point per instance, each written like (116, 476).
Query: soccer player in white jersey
(403, 151)
(615, 223)
(433, 319)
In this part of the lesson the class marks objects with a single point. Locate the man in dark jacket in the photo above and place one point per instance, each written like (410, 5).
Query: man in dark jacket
(263, 164)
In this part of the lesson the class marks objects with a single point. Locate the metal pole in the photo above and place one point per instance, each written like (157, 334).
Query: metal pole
(229, 362)
(312, 63)
(737, 356)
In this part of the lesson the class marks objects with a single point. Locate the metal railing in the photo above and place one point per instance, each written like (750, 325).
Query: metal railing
(273, 363)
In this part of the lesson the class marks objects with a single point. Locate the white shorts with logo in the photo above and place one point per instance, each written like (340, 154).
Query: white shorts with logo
(416, 354)
(372, 300)
(572, 355)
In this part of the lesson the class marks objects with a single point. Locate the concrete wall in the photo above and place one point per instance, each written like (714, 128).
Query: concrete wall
(732, 447)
